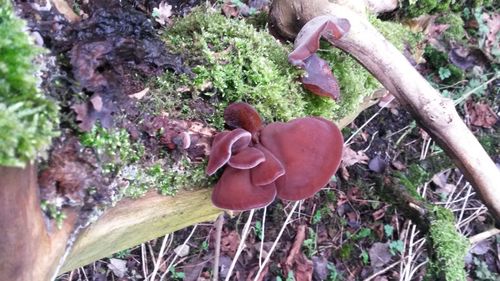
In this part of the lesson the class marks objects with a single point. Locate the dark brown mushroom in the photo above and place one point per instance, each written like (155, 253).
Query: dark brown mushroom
(269, 170)
(224, 145)
(242, 115)
(319, 78)
(290, 160)
(235, 191)
(310, 150)
(246, 158)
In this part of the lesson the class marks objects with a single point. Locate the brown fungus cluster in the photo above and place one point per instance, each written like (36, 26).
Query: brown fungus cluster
(291, 160)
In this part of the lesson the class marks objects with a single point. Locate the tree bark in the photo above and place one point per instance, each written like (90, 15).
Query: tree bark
(435, 114)
(29, 250)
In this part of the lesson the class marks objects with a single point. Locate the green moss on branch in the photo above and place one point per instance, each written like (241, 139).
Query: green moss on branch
(27, 119)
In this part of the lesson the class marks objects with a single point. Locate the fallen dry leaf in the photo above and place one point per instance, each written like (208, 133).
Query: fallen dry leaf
(163, 13)
(139, 95)
(64, 8)
(377, 164)
(229, 242)
(491, 43)
(182, 250)
(296, 260)
(398, 165)
(297, 244)
(481, 114)
(379, 214)
(379, 254)
(119, 267)
(351, 157)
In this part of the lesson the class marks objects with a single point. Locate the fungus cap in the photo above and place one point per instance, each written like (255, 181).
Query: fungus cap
(224, 145)
(247, 158)
(310, 150)
(235, 191)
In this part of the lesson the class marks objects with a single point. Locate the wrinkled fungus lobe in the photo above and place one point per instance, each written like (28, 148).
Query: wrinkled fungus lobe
(319, 78)
(290, 160)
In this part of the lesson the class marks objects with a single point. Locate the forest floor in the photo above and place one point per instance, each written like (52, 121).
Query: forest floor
(349, 230)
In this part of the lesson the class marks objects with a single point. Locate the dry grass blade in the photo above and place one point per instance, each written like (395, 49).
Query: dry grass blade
(241, 246)
(218, 233)
(266, 260)
(176, 255)
(160, 257)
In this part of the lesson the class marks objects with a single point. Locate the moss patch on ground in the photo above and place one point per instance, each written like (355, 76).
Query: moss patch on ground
(27, 119)
(449, 246)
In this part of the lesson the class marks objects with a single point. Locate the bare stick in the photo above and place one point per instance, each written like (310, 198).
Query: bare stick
(177, 255)
(435, 114)
(218, 233)
(263, 233)
(266, 260)
(241, 246)
(160, 257)
(144, 260)
(484, 235)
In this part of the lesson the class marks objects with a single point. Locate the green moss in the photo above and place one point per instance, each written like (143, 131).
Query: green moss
(27, 119)
(113, 148)
(399, 35)
(437, 59)
(125, 159)
(455, 31)
(167, 179)
(412, 179)
(449, 246)
(240, 63)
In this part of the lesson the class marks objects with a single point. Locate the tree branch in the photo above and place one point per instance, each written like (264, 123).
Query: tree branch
(434, 113)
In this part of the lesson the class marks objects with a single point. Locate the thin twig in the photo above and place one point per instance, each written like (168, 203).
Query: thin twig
(347, 142)
(266, 260)
(160, 257)
(218, 233)
(466, 95)
(144, 260)
(177, 255)
(382, 271)
(262, 233)
(241, 246)
(483, 235)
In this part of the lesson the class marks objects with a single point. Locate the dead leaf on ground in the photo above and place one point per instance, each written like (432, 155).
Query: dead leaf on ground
(351, 157)
(296, 260)
(481, 248)
(229, 242)
(182, 250)
(297, 244)
(320, 268)
(377, 164)
(63, 8)
(441, 181)
(379, 254)
(119, 267)
(491, 43)
(398, 165)
(481, 114)
(139, 95)
(379, 214)
(163, 13)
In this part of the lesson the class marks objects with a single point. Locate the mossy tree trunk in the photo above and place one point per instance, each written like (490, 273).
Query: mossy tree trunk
(30, 250)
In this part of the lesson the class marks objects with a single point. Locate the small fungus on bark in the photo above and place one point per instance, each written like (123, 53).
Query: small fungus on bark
(318, 78)
(290, 160)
